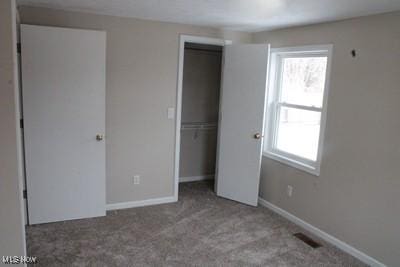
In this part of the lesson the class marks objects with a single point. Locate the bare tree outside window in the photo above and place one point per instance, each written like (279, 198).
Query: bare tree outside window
(303, 81)
(296, 110)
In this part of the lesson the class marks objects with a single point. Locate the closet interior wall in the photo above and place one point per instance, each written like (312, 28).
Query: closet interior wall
(200, 111)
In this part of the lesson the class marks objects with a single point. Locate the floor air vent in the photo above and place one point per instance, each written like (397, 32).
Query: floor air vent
(307, 240)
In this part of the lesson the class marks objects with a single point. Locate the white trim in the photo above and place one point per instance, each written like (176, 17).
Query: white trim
(290, 162)
(203, 40)
(18, 102)
(196, 178)
(182, 40)
(140, 203)
(309, 108)
(317, 49)
(312, 167)
(323, 235)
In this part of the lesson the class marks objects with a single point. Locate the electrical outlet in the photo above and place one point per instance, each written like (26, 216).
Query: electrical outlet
(289, 190)
(136, 179)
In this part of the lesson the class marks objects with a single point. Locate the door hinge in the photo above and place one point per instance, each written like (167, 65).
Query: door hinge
(25, 194)
(21, 123)
(19, 48)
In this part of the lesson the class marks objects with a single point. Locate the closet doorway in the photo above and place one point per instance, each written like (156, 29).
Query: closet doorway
(200, 79)
(200, 107)
(220, 115)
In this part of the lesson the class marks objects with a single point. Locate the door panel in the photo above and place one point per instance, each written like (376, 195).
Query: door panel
(241, 118)
(63, 78)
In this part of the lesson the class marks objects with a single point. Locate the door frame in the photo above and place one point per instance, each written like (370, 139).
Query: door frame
(182, 40)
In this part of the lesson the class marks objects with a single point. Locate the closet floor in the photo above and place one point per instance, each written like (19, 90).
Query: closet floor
(199, 230)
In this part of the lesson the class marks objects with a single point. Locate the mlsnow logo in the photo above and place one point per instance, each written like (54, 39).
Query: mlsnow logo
(19, 260)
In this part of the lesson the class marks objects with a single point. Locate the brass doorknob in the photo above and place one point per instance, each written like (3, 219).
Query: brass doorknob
(99, 137)
(257, 136)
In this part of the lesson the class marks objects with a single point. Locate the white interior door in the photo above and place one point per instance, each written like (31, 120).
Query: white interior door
(241, 122)
(63, 78)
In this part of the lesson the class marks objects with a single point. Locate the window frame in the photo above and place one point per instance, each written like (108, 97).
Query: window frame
(274, 105)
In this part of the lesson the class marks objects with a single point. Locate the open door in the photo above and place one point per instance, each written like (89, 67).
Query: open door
(241, 125)
(63, 75)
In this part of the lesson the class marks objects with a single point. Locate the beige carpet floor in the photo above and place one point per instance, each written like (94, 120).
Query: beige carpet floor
(199, 230)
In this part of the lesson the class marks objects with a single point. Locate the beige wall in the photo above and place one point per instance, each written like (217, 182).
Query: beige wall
(142, 62)
(12, 233)
(357, 196)
(201, 86)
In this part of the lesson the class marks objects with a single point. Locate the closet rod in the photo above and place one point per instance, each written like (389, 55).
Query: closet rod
(198, 126)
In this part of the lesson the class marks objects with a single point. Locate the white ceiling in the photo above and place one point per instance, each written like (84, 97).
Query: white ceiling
(247, 15)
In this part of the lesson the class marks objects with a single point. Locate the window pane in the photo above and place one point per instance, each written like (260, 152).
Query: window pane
(298, 132)
(303, 80)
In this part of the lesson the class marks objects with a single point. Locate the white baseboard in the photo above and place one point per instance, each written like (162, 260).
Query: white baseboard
(140, 203)
(323, 235)
(196, 178)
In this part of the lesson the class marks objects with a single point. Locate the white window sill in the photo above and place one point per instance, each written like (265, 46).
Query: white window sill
(293, 163)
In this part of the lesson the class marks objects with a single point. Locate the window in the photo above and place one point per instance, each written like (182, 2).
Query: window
(297, 99)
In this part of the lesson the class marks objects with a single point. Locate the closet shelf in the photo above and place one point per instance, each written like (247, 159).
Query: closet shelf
(199, 126)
